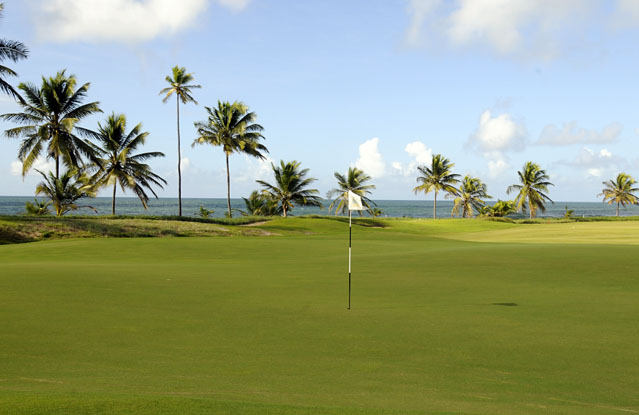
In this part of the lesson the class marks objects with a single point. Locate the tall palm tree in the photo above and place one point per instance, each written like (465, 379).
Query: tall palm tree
(470, 196)
(354, 181)
(118, 163)
(232, 127)
(66, 190)
(179, 85)
(532, 190)
(14, 51)
(291, 187)
(620, 191)
(438, 176)
(48, 122)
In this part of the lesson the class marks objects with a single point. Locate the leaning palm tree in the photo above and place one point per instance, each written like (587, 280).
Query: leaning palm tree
(14, 51)
(437, 177)
(232, 127)
(48, 122)
(117, 163)
(66, 190)
(291, 187)
(354, 181)
(620, 191)
(470, 197)
(531, 193)
(179, 85)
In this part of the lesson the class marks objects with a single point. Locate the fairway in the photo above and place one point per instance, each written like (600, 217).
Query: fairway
(449, 317)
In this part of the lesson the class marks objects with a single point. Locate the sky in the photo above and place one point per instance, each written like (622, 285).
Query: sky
(377, 84)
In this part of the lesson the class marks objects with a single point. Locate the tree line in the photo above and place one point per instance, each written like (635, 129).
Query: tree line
(109, 155)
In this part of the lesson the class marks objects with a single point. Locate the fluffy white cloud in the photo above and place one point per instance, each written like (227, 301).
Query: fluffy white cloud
(370, 159)
(626, 13)
(185, 164)
(498, 134)
(254, 169)
(118, 20)
(420, 154)
(419, 11)
(497, 167)
(525, 28)
(571, 133)
(495, 137)
(597, 163)
(41, 164)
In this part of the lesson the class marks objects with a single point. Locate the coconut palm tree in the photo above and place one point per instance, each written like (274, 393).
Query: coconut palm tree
(117, 162)
(291, 187)
(14, 51)
(179, 82)
(500, 209)
(232, 127)
(470, 197)
(437, 177)
(532, 190)
(260, 204)
(354, 181)
(37, 208)
(48, 122)
(620, 191)
(65, 191)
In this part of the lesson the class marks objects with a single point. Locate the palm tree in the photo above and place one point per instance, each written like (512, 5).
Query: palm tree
(620, 191)
(470, 196)
(532, 190)
(14, 51)
(37, 208)
(49, 122)
(354, 181)
(260, 204)
(63, 192)
(437, 177)
(500, 209)
(179, 85)
(232, 127)
(291, 187)
(118, 163)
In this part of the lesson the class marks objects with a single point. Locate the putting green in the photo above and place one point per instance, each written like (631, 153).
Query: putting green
(618, 233)
(258, 325)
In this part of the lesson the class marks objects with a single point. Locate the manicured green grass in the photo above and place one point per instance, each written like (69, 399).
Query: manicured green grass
(258, 324)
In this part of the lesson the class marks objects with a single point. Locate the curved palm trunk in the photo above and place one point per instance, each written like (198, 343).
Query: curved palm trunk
(113, 200)
(57, 166)
(284, 209)
(530, 208)
(228, 186)
(177, 98)
(435, 206)
(617, 208)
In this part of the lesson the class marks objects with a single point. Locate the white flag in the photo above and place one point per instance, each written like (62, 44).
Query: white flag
(354, 201)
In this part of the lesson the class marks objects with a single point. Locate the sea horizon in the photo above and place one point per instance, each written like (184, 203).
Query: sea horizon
(167, 206)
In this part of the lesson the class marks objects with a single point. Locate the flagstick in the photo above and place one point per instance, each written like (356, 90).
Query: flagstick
(350, 231)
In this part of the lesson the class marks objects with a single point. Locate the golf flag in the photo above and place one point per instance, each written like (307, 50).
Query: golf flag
(354, 201)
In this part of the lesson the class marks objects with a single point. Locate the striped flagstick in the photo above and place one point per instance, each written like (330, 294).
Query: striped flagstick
(354, 203)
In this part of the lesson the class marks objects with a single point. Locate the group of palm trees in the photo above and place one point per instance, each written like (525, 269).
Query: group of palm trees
(469, 196)
(48, 125)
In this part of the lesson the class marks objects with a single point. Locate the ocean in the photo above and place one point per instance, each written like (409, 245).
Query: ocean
(14, 205)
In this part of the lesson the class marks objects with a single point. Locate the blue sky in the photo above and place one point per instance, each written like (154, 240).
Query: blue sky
(381, 84)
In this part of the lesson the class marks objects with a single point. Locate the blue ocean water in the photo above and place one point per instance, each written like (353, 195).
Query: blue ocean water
(13, 205)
